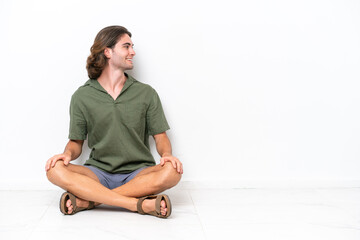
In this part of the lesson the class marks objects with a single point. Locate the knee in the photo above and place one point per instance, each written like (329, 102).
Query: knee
(169, 176)
(57, 172)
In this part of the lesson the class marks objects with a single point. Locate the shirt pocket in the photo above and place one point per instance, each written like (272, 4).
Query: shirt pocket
(134, 116)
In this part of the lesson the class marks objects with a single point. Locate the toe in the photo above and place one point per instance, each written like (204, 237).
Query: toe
(69, 206)
(163, 204)
(163, 212)
(68, 203)
(163, 208)
(70, 209)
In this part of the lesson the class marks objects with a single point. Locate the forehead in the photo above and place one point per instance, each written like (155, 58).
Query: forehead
(124, 39)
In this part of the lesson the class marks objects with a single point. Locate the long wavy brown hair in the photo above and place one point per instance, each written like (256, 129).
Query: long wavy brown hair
(106, 38)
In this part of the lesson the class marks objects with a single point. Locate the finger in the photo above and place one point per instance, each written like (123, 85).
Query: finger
(173, 163)
(177, 164)
(47, 165)
(53, 161)
(166, 159)
(66, 161)
(56, 158)
(162, 161)
(179, 167)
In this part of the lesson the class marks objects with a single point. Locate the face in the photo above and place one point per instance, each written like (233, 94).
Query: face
(121, 56)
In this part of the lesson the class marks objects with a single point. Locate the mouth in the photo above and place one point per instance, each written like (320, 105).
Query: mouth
(129, 59)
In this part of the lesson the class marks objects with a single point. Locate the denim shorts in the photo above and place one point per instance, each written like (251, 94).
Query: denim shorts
(113, 180)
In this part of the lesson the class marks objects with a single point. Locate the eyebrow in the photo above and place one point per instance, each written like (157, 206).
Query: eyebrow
(127, 44)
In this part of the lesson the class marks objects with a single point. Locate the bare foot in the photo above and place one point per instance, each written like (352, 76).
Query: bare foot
(79, 203)
(149, 206)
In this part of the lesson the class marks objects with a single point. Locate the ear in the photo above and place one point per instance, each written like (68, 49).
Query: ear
(108, 52)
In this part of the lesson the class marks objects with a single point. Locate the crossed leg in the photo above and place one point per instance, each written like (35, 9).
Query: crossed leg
(84, 184)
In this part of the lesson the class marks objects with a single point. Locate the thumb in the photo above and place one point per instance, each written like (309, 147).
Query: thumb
(66, 160)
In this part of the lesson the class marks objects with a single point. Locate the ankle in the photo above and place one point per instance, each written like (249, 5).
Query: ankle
(82, 203)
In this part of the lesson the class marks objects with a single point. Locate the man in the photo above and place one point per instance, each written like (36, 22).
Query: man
(117, 114)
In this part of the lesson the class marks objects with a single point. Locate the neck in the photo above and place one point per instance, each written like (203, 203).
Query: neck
(112, 79)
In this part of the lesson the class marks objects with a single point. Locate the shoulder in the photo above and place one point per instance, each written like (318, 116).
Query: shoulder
(84, 89)
(82, 93)
(139, 84)
(143, 87)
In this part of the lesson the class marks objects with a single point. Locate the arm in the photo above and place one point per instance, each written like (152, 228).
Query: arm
(72, 151)
(74, 148)
(163, 147)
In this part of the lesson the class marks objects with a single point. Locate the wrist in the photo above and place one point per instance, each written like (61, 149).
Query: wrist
(166, 154)
(68, 153)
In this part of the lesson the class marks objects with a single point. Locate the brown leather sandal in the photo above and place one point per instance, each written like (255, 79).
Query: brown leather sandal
(157, 212)
(66, 196)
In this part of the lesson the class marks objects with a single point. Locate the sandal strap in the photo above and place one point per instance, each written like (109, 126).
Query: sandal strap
(158, 204)
(140, 202)
(139, 205)
(69, 196)
(158, 200)
(91, 205)
(77, 209)
(73, 202)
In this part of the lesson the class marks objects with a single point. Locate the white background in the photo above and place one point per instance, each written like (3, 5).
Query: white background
(255, 92)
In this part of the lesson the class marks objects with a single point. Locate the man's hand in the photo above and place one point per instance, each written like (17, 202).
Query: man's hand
(52, 161)
(72, 151)
(174, 161)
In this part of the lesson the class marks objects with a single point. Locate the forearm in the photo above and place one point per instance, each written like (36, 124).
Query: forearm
(163, 145)
(73, 149)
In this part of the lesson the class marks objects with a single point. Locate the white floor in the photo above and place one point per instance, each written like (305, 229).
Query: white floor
(198, 214)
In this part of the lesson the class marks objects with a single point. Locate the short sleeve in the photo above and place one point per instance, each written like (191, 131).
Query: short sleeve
(155, 117)
(78, 128)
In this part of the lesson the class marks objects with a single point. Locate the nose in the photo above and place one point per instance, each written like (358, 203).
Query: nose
(132, 52)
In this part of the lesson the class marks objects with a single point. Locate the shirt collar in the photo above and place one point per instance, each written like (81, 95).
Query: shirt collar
(95, 84)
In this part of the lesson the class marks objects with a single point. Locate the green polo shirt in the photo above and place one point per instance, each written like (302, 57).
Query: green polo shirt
(118, 130)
